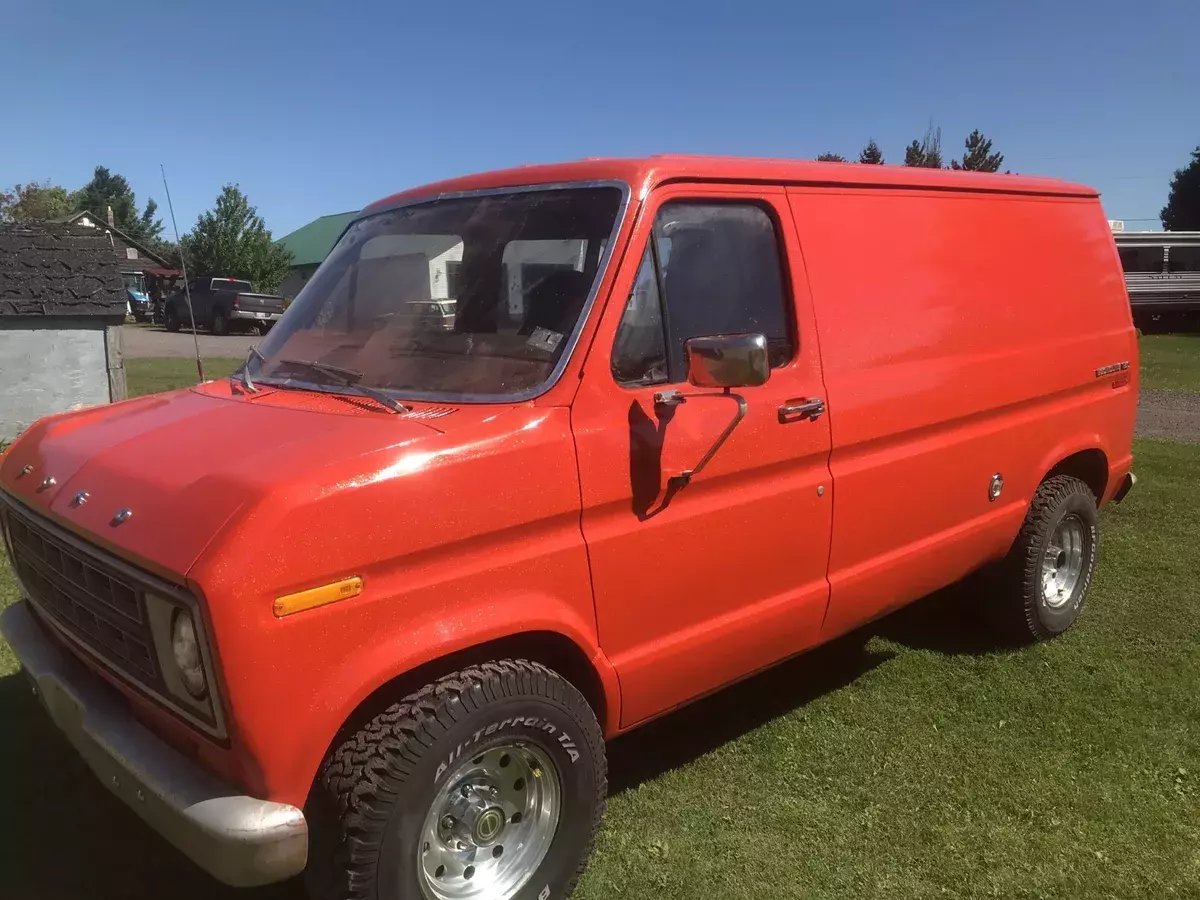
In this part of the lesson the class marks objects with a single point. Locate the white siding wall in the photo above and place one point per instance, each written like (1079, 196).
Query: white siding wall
(47, 370)
(518, 253)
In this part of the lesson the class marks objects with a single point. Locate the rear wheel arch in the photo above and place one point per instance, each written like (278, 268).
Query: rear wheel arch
(1089, 466)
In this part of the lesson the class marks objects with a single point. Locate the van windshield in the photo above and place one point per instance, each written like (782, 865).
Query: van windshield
(466, 297)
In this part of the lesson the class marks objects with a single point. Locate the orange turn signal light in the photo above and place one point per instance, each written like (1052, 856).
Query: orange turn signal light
(318, 596)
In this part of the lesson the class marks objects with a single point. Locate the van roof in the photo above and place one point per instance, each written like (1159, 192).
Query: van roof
(648, 172)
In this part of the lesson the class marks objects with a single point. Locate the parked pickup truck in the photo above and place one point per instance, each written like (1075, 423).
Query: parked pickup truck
(219, 304)
(694, 416)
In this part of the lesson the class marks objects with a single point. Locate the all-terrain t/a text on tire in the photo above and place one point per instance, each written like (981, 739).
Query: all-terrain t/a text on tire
(488, 783)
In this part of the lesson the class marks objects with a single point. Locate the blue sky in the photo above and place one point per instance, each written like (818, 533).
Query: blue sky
(316, 108)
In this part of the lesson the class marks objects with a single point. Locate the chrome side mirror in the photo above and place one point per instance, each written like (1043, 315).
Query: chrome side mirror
(727, 360)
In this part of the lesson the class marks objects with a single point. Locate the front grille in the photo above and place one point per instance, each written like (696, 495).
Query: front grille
(87, 598)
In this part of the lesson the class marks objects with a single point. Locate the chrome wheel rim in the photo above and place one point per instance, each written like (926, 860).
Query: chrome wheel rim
(1062, 562)
(491, 825)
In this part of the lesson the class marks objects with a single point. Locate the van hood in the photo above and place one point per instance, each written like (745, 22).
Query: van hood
(184, 463)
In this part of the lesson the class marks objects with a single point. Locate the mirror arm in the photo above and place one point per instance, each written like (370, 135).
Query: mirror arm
(674, 398)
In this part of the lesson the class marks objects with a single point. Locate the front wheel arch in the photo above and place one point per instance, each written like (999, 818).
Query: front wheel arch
(552, 649)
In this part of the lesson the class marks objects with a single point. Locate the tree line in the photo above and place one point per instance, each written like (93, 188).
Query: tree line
(926, 153)
(230, 239)
(1182, 212)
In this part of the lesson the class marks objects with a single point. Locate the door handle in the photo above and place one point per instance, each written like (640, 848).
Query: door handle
(800, 409)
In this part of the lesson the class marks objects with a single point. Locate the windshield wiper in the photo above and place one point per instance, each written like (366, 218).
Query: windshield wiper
(348, 378)
(243, 374)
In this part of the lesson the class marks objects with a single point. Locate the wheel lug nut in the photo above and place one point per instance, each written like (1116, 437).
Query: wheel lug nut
(447, 822)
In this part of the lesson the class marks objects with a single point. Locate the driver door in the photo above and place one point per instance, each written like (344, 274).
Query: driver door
(702, 586)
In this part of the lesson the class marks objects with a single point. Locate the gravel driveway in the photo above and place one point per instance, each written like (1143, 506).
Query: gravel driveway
(154, 340)
(1174, 415)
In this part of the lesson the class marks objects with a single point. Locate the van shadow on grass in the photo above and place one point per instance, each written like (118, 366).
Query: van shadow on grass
(950, 621)
(947, 621)
(703, 726)
(65, 837)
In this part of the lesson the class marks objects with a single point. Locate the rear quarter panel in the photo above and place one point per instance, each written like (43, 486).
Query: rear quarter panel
(960, 335)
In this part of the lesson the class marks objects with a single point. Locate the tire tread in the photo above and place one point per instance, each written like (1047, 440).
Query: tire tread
(360, 776)
(1017, 609)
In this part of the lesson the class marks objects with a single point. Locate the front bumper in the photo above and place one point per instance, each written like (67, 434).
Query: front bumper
(248, 316)
(237, 839)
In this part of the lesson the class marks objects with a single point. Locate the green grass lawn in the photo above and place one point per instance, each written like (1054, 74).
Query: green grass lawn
(1170, 361)
(151, 375)
(929, 763)
(935, 765)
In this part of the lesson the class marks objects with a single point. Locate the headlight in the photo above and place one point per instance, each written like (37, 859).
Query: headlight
(186, 650)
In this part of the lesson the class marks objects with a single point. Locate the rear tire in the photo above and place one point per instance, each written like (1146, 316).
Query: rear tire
(493, 776)
(171, 319)
(1045, 577)
(220, 324)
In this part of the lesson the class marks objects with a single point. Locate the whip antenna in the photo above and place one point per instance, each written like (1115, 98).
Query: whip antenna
(187, 293)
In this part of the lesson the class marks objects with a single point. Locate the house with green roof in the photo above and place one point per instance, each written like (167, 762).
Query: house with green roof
(310, 245)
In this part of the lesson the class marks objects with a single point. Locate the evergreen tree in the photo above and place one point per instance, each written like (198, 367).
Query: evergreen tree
(871, 154)
(1182, 212)
(105, 190)
(978, 156)
(927, 152)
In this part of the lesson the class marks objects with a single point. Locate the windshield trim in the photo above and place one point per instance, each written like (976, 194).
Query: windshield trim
(584, 314)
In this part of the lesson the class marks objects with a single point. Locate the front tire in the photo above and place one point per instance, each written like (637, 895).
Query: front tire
(488, 783)
(1045, 577)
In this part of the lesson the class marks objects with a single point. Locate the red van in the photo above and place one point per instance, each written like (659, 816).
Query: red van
(692, 417)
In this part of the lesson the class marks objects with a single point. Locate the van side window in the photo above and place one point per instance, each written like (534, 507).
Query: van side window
(640, 350)
(720, 272)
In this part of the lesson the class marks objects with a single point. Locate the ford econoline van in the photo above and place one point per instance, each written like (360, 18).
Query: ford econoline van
(691, 417)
